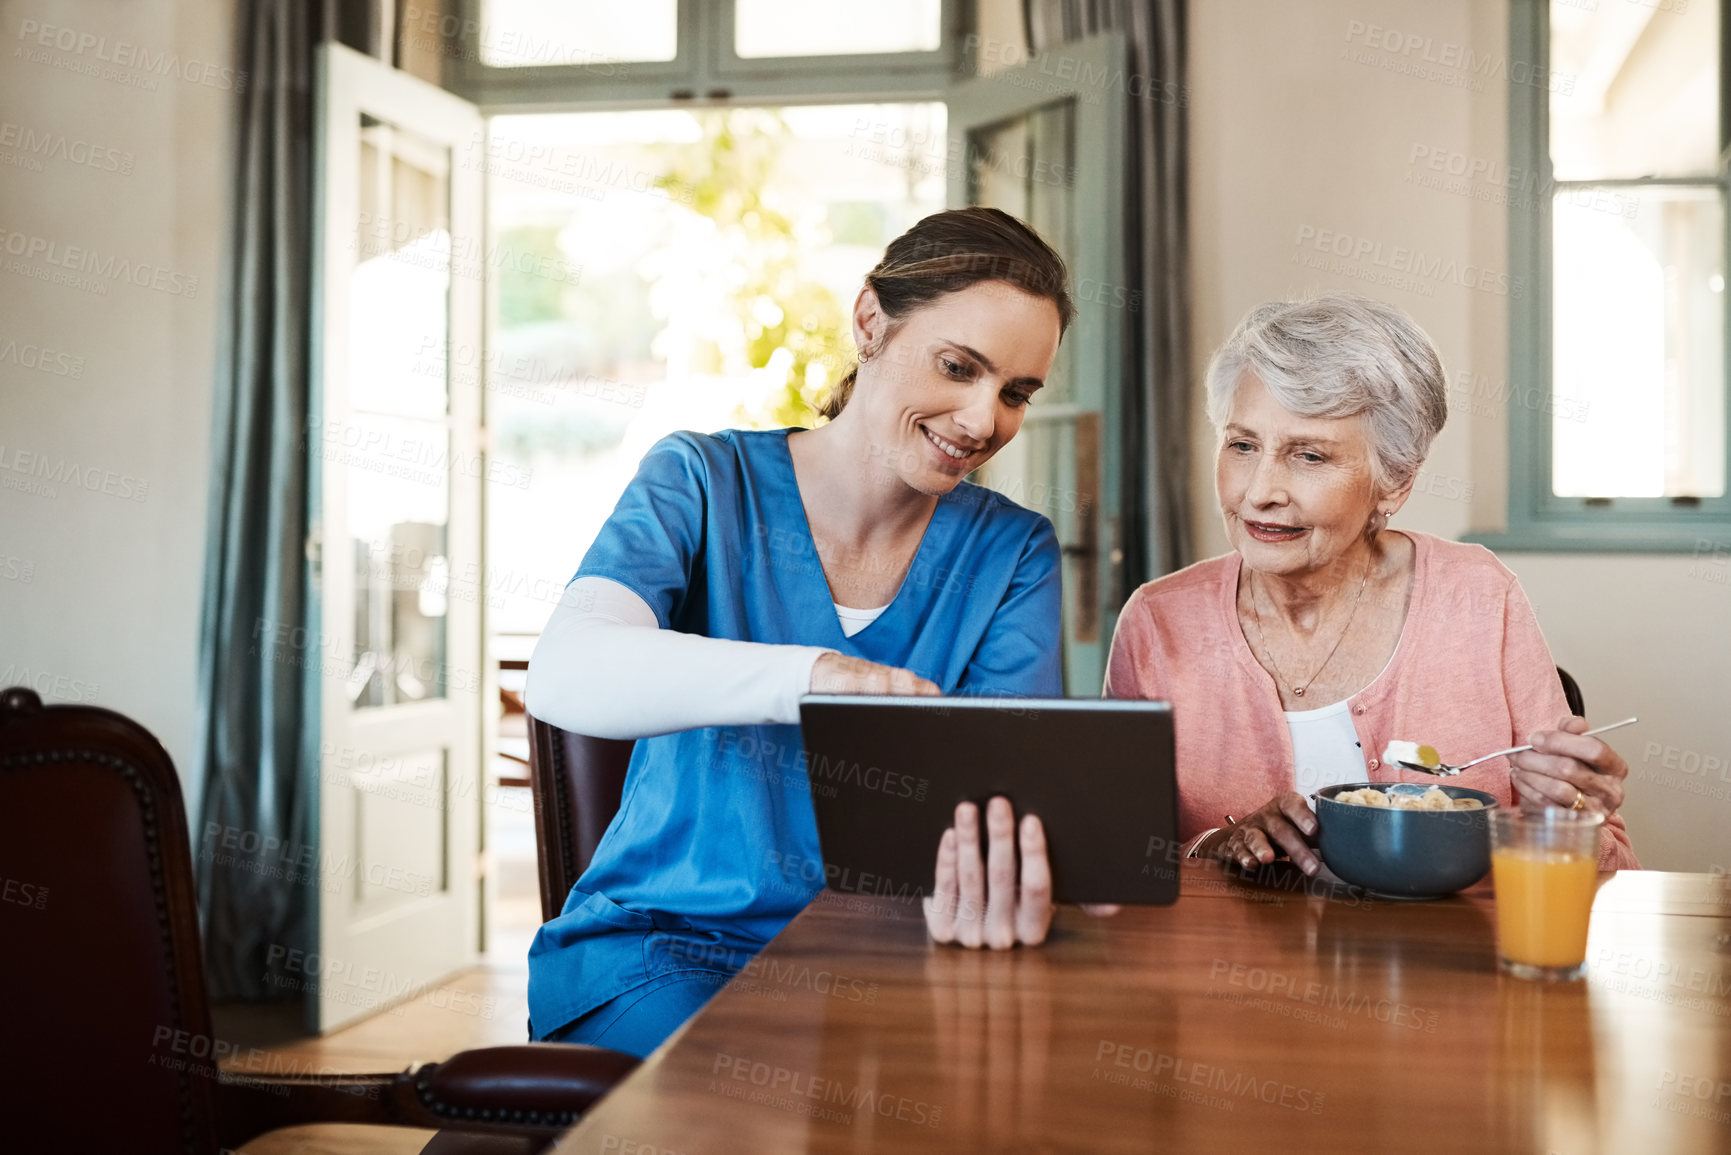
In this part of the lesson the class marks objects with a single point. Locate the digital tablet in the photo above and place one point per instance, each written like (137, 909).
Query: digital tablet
(886, 774)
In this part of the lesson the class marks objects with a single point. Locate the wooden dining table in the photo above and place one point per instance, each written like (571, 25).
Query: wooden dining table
(1270, 1010)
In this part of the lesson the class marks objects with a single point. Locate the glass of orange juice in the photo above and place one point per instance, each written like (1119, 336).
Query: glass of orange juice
(1545, 867)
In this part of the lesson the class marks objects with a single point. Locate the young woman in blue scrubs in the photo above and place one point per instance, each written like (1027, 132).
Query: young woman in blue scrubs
(741, 570)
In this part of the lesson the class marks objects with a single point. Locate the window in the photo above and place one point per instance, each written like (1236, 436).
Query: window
(519, 54)
(632, 300)
(1618, 357)
(789, 28)
(528, 33)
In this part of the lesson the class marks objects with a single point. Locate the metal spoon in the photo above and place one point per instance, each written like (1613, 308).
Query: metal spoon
(1445, 770)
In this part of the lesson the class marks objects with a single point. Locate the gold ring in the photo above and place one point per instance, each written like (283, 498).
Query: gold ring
(1580, 801)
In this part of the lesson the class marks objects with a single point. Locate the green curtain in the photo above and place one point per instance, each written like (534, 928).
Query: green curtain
(258, 672)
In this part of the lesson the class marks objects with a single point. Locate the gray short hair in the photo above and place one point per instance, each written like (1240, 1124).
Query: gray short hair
(1337, 355)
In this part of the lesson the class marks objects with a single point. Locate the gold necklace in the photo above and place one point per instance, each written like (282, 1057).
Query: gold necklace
(1256, 616)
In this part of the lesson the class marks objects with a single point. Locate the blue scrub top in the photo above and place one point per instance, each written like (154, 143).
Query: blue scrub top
(714, 848)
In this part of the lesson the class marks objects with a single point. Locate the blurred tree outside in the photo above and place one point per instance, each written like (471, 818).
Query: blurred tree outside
(791, 326)
(538, 350)
(523, 297)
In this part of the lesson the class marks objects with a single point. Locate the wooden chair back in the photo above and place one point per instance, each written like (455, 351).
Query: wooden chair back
(577, 783)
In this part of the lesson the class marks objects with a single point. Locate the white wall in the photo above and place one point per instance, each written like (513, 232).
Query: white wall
(109, 611)
(1301, 124)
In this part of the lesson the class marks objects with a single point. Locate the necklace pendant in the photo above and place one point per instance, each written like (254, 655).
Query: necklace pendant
(1298, 691)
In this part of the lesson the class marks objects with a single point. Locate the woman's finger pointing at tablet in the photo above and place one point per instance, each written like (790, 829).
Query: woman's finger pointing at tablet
(1034, 905)
(940, 905)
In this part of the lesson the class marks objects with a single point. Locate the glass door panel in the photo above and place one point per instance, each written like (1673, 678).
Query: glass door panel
(1022, 166)
(399, 518)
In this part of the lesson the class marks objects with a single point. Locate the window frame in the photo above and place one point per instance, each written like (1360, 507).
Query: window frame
(707, 71)
(1538, 519)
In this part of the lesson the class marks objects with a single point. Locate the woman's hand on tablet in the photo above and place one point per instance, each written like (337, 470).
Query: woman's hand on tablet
(980, 904)
(840, 674)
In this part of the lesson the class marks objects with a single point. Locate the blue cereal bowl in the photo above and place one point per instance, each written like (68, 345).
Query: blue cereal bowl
(1404, 853)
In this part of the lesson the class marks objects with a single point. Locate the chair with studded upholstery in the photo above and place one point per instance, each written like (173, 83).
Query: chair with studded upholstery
(577, 782)
(108, 1026)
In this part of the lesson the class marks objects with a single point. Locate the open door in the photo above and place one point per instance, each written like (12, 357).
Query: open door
(1045, 141)
(396, 454)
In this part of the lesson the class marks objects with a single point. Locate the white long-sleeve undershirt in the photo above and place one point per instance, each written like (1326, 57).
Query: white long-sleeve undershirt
(604, 667)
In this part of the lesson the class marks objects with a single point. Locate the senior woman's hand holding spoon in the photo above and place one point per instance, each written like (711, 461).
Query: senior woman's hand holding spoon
(1568, 767)
(1570, 773)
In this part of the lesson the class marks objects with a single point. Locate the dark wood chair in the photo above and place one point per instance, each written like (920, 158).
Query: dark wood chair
(515, 712)
(577, 782)
(1572, 692)
(109, 1045)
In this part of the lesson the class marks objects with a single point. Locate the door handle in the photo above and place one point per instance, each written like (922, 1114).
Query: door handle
(315, 551)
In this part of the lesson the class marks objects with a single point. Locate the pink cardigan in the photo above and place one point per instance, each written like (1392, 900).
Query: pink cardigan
(1471, 674)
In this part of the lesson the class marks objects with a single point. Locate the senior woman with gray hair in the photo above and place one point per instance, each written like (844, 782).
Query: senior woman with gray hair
(1292, 661)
